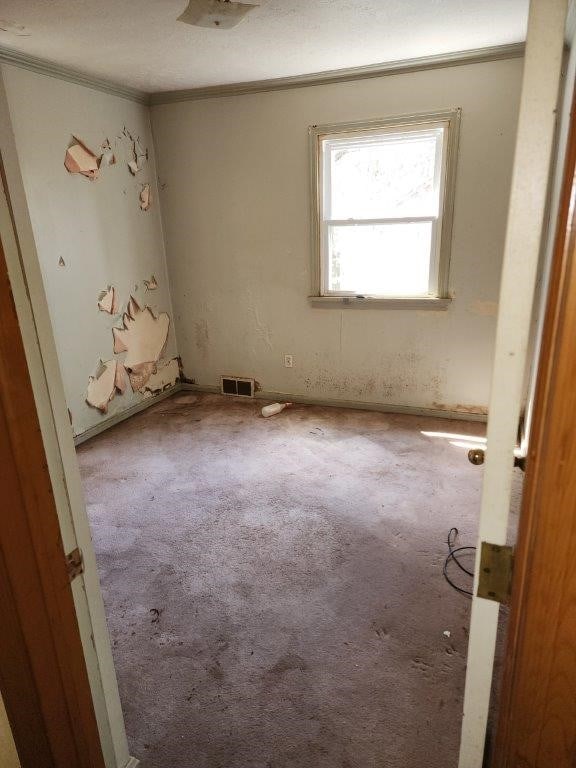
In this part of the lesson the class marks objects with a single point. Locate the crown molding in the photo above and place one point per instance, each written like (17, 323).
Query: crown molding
(459, 58)
(476, 56)
(43, 67)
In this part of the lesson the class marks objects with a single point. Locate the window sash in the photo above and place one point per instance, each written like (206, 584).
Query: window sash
(363, 139)
(433, 260)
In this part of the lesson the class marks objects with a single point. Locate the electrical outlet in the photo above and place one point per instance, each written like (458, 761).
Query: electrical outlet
(288, 361)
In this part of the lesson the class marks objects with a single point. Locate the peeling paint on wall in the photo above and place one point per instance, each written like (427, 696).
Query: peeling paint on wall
(108, 242)
(138, 154)
(107, 301)
(139, 375)
(151, 284)
(102, 386)
(121, 378)
(145, 197)
(166, 375)
(80, 159)
(108, 157)
(142, 336)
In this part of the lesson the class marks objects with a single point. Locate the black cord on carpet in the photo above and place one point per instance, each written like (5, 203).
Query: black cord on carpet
(452, 551)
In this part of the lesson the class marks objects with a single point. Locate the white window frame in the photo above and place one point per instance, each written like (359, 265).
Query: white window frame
(438, 296)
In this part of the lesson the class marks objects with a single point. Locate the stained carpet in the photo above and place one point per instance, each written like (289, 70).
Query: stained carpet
(274, 586)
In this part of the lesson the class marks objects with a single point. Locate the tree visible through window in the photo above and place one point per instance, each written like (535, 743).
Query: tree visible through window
(381, 205)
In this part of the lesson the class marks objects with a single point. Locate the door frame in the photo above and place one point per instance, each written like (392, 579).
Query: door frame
(525, 233)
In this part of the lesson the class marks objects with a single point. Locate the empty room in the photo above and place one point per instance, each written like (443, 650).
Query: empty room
(263, 246)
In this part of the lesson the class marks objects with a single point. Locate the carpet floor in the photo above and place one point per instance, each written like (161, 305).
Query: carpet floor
(274, 586)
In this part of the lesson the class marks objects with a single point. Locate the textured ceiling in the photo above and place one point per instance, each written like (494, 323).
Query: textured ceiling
(139, 43)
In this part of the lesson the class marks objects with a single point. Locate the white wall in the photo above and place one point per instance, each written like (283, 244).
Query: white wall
(235, 204)
(96, 227)
(235, 208)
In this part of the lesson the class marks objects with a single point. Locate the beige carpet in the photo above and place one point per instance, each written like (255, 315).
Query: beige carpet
(274, 587)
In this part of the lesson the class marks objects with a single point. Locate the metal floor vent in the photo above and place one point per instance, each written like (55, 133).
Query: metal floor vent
(235, 385)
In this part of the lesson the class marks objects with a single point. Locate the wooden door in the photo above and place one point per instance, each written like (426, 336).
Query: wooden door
(537, 721)
(43, 677)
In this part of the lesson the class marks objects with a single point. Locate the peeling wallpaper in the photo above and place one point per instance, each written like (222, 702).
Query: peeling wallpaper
(90, 234)
(234, 180)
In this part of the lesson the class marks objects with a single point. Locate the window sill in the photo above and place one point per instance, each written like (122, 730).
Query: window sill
(371, 302)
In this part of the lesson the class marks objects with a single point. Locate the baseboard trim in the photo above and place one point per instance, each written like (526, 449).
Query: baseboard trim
(409, 410)
(212, 389)
(132, 762)
(117, 418)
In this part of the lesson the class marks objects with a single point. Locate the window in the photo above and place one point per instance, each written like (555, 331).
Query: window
(383, 207)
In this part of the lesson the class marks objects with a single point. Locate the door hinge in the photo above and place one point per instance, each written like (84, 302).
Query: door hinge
(495, 579)
(75, 563)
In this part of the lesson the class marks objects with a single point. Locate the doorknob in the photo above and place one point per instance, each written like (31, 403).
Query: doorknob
(476, 456)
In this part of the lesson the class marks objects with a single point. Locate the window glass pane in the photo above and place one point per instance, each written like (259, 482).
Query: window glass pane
(381, 259)
(388, 176)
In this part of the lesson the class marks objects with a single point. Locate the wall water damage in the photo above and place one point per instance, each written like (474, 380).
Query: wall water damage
(240, 291)
(89, 172)
(235, 178)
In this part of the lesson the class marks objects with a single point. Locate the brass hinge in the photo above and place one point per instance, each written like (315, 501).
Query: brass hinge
(495, 579)
(74, 563)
